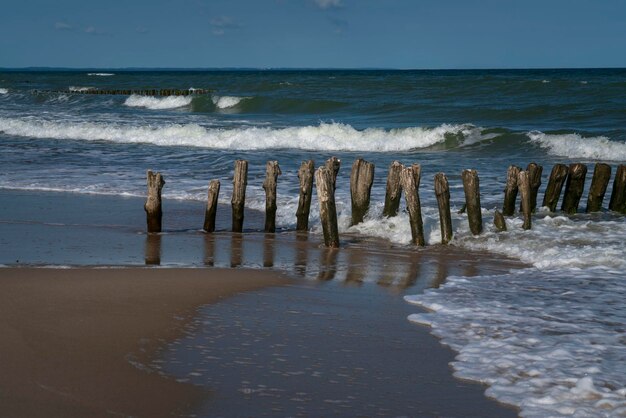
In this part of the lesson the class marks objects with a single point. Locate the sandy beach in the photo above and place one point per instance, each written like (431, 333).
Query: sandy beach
(73, 341)
(99, 342)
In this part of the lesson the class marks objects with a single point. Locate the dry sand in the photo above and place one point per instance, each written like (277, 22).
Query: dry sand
(69, 337)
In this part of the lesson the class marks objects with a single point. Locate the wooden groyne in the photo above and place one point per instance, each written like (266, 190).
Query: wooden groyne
(129, 92)
(400, 179)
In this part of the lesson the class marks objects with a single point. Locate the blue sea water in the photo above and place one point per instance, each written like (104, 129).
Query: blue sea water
(52, 138)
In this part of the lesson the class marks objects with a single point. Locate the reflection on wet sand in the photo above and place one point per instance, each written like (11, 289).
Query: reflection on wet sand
(268, 250)
(441, 270)
(236, 249)
(153, 249)
(209, 250)
(356, 268)
(395, 269)
(328, 263)
(302, 253)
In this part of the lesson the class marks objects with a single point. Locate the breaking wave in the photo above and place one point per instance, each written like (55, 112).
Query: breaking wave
(101, 74)
(155, 103)
(326, 136)
(577, 146)
(79, 89)
(4, 91)
(225, 102)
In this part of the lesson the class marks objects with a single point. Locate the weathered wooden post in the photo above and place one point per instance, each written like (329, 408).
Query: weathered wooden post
(618, 195)
(272, 171)
(394, 190)
(333, 164)
(498, 221)
(305, 174)
(599, 183)
(534, 178)
(361, 180)
(152, 207)
(240, 180)
(442, 191)
(472, 200)
(510, 192)
(574, 187)
(410, 180)
(328, 210)
(523, 183)
(211, 206)
(554, 187)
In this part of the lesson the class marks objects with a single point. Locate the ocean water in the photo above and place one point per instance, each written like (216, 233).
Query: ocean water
(550, 339)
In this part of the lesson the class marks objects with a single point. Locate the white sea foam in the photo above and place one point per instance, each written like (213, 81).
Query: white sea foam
(79, 89)
(101, 74)
(4, 91)
(158, 103)
(549, 342)
(326, 136)
(225, 102)
(576, 146)
(555, 241)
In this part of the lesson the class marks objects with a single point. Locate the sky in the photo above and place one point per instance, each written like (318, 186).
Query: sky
(404, 34)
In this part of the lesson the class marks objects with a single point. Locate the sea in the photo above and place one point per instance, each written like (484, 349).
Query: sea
(548, 338)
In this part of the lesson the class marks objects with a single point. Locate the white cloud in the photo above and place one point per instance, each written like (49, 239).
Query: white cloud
(221, 24)
(91, 30)
(63, 26)
(328, 4)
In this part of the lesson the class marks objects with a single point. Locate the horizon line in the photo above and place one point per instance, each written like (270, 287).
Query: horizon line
(48, 68)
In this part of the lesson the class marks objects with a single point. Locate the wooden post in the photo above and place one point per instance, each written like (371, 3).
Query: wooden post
(472, 200)
(599, 183)
(498, 221)
(534, 178)
(442, 191)
(618, 195)
(409, 178)
(240, 180)
(211, 206)
(328, 211)
(554, 187)
(305, 174)
(152, 207)
(394, 190)
(361, 180)
(510, 192)
(574, 187)
(333, 164)
(272, 171)
(523, 182)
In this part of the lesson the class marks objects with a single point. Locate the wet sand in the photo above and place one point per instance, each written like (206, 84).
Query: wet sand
(319, 350)
(72, 340)
(83, 341)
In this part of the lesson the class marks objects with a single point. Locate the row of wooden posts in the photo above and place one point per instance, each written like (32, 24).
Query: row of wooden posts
(407, 179)
(128, 92)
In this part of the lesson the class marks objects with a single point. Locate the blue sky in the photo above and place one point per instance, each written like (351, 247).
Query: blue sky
(313, 33)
